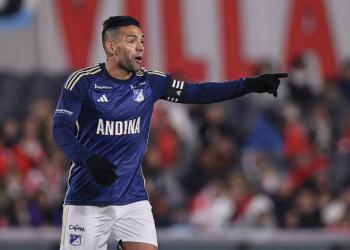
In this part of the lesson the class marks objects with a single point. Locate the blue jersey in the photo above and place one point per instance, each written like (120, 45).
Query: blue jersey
(100, 115)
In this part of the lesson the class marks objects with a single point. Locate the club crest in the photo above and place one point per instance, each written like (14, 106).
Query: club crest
(138, 95)
(75, 239)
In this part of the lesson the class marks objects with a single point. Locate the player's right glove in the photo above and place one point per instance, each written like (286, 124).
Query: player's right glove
(265, 83)
(101, 169)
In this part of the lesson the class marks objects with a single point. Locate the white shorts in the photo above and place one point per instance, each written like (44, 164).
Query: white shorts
(89, 227)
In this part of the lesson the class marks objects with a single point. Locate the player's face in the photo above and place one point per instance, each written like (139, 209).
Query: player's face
(130, 48)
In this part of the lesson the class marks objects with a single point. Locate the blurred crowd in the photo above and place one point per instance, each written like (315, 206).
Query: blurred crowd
(255, 161)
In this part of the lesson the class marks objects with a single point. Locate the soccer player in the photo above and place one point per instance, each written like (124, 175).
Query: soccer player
(102, 122)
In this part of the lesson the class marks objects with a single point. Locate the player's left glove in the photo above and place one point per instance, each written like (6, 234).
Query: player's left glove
(101, 169)
(265, 83)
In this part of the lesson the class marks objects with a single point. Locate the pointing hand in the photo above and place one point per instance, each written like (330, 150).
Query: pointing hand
(265, 83)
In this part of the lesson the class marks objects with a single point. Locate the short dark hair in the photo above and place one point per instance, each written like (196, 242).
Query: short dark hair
(118, 21)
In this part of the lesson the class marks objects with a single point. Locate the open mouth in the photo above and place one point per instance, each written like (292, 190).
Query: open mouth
(138, 59)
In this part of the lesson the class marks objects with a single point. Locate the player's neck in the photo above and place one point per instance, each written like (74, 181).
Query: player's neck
(116, 72)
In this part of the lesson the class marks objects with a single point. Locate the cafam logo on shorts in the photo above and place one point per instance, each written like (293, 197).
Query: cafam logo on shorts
(76, 228)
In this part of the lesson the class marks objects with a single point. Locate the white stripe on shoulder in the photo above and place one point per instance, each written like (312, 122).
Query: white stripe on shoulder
(75, 74)
(156, 72)
(90, 72)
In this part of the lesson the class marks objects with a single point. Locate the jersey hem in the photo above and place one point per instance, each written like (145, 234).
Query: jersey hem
(104, 203)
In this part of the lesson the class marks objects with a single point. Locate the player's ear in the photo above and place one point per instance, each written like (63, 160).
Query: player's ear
(110, 47)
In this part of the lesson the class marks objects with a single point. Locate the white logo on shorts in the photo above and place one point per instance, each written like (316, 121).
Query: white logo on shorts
(75, 239)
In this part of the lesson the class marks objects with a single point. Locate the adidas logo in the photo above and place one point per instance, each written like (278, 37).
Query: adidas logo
(102, 98)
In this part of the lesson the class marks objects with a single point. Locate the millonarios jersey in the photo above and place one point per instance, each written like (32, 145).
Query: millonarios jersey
(100, 115)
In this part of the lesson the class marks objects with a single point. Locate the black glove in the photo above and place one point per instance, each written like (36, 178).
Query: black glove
(101, 169)
(265, 83)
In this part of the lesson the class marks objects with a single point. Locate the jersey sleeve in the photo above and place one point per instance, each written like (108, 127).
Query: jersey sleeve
(159, 82)
(65, 118)
(202, 93)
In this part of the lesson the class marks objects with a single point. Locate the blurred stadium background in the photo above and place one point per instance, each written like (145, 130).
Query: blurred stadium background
(252, 173)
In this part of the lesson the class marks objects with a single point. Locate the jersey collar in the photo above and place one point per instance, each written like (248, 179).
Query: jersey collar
(108, 76)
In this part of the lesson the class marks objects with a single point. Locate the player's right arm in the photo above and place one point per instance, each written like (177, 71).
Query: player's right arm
(64, 132)
(65, 118)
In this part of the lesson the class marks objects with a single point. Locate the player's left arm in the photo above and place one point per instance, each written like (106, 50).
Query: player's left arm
(210, 92)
